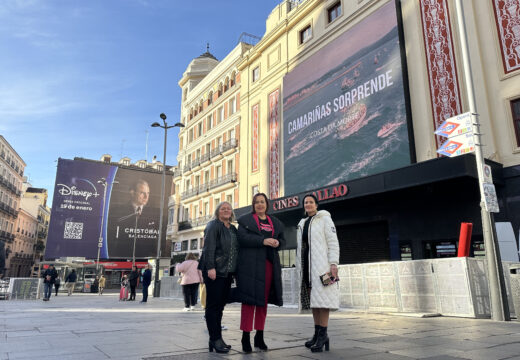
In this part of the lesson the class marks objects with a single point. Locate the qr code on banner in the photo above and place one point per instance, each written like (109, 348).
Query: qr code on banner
(73, 230)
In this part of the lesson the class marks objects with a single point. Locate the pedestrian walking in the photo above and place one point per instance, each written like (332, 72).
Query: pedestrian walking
(70, 281)
(95, 285)
(259, 272)
(147, 279)
(218, 264)
(102, 284)
(191, 278)
(49, 277)
(125, 285)
(57, 284)
(317, 258)
(133, 279)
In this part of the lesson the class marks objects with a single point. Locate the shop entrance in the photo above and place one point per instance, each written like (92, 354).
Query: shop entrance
(362, 243)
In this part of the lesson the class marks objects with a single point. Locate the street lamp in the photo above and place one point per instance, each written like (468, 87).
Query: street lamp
(103, 182)
(156, 290)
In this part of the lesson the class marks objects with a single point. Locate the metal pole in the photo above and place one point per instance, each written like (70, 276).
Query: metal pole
(498, 296)
(135, 238)
(104, 183)
(157, 290)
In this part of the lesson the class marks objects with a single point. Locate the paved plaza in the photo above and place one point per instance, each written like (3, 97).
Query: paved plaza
(88, 326)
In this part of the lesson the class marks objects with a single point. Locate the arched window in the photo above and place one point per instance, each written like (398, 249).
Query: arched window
(210, 98)
(226, 84)
(200, 105)
(233, 79)
(220, 90)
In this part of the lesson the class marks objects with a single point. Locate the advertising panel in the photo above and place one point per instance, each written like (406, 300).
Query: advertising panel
(132, 206)
(344, 108)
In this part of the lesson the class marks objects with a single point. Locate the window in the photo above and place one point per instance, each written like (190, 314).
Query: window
(232, 106)
(305, 34)
(230, 166)
(334, 11)
(219, 171)
(220, 114)
(229, 199)
(206, 208)
(515, 109)
(184, 246)
(210, 98)
(256, 73)
(190, 136)
(209, 122)
(199, 132)
(194, 244)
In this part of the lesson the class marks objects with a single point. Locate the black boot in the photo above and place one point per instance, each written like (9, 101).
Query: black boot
(219, 346)
(246, 342)
(312, 341)
(259, 340)
(322, 340)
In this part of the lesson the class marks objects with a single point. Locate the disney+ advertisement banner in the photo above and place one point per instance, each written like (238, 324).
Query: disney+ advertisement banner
(344, 111)
(131, 207)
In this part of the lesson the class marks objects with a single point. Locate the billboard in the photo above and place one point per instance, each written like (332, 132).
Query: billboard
(344, 108)
(131, 206)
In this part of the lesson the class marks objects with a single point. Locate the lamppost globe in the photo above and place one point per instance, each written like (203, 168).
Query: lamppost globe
(156, 124)
(163, 116)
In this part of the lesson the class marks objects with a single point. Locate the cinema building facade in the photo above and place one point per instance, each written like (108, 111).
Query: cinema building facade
(342, 98)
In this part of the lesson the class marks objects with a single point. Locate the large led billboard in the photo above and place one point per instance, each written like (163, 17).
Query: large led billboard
(344, 108)
(131, 207)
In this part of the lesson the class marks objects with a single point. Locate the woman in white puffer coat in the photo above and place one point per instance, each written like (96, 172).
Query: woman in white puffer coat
(317, 254)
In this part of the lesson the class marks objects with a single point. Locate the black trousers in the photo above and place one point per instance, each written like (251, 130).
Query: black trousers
(132, 292)
(145, 293)
(217, 292)
(190, 291)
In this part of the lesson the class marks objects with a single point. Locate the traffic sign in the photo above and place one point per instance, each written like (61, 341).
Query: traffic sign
(455, 126)
(459, 145)
(490, 198)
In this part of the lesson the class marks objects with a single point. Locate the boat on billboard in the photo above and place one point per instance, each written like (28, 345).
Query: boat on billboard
(344, 108)
(131, 209)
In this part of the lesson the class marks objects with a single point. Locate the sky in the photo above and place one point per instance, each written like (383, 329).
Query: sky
(87, 78)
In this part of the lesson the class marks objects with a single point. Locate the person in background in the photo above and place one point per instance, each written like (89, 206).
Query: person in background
(49, 277)
(95, 285)
(2, 259)
(123, 292)
(317, 254)
(191, 278)
(218, 264)
(70, 281)
(259, 272)
(57, 284)
(102, 284)
(147, 279)
(133, 278)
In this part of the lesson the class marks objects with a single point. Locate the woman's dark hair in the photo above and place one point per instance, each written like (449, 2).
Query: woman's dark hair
(303, 202)
(254, 199)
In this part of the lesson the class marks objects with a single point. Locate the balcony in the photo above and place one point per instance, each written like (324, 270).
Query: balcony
(177, 173)
(228, 178)
(42, 234)
(203, 220)
(205, 158)
(230, 144)
(189, 193)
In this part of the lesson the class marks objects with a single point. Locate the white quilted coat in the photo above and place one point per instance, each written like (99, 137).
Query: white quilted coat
(323, 251)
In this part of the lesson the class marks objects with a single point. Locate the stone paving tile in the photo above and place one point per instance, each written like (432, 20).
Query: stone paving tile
(384, 356)
(423, 352)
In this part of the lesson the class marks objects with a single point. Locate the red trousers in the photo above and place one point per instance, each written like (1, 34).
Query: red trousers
(258, 313)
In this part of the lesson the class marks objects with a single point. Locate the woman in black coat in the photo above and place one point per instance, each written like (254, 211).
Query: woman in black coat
(218, 264)
(259, 273)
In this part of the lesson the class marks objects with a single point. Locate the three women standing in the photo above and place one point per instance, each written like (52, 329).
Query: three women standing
(317, 254)
(259, 276)
(218, 264)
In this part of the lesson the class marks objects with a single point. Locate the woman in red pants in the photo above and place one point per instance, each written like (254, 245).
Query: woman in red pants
(259, 273)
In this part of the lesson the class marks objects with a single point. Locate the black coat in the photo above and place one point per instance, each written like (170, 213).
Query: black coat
(134, 276)
(52, 273)
(217, 247)
(251, 263)
(147, 277)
